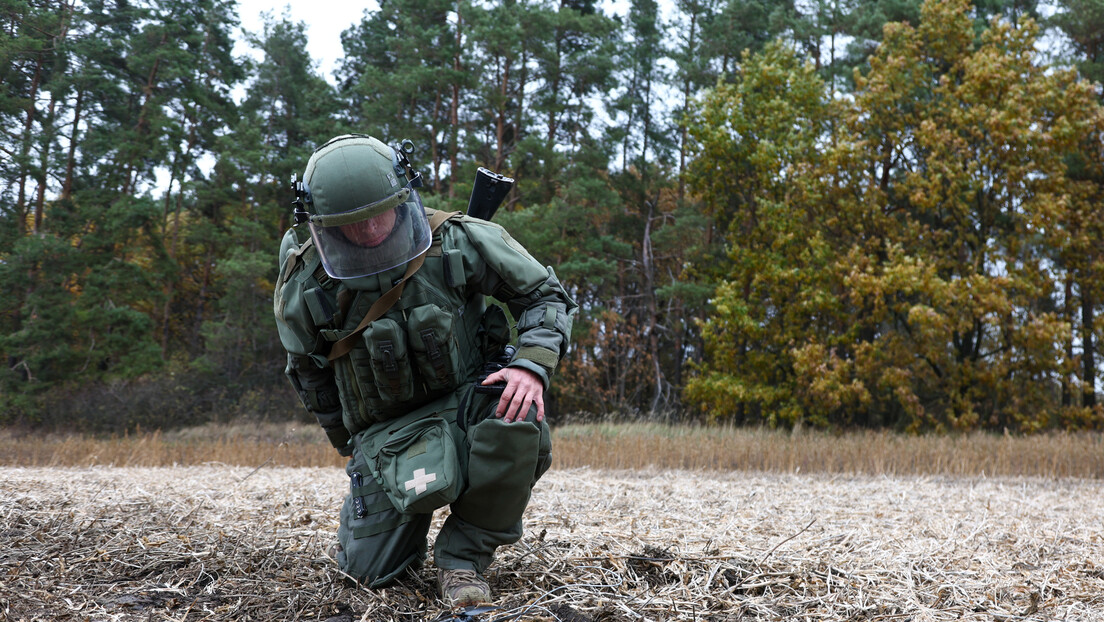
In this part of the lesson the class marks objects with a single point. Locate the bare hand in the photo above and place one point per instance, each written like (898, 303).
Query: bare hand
(523, 388)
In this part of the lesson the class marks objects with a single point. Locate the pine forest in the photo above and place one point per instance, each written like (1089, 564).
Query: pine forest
(832, 213)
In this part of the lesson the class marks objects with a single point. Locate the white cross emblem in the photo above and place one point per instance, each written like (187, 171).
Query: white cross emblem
(420, 480)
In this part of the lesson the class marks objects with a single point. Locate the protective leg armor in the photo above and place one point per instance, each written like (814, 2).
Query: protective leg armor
(500, 463)
(505, 460)
(377, 542)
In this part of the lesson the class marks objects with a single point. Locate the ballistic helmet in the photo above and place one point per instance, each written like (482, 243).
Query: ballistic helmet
(367, 215)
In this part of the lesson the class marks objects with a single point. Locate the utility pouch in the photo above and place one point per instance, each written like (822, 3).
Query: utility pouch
(389, 360)
(429, 328)
(417, 465)
(321, 309)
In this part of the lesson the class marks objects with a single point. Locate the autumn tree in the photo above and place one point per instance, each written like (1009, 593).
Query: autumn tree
(923, 294)
(754, 138)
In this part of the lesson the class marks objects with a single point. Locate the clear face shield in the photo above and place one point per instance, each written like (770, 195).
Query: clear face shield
(372, 238)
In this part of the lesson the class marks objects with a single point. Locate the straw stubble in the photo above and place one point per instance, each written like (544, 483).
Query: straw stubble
(228, 543)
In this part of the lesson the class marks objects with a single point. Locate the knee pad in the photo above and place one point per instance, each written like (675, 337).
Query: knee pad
(504, 461)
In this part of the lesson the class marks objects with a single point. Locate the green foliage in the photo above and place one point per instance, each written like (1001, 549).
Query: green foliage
(755, 138)
(239, 335)
(78, 297)
(905, 274)
(402, 77)
(902, 231)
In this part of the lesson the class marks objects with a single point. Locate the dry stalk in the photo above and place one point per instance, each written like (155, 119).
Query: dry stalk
(239, 543)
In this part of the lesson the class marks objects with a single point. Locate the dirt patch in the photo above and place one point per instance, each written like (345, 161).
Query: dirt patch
(227, 543)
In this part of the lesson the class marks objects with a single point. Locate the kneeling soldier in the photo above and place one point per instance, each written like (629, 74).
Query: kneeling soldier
(393, 348)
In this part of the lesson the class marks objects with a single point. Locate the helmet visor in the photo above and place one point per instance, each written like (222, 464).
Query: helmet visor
(372, 238)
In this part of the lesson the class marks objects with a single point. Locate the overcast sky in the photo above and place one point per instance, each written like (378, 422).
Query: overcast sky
(325, 20)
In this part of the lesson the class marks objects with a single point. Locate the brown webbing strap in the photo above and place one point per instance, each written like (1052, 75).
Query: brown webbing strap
(385, 302)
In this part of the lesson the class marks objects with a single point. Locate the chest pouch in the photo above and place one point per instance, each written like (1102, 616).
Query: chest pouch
(430, 330)
(416, 463)
(389, 360)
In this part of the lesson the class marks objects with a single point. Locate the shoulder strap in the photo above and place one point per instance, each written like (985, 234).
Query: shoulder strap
(388, 300)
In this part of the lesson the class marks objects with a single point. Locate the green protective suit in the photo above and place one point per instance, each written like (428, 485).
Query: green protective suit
(401, 403)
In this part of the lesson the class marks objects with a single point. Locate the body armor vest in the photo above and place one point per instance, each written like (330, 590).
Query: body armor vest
(434, 339)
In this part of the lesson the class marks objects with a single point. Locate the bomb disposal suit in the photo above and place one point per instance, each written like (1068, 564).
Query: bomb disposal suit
(384, 317)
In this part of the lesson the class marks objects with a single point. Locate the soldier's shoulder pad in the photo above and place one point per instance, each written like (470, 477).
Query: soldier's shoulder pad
(503, 254)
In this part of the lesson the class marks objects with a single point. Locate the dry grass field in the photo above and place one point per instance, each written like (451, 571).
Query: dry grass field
(219, 541)
(612, 446)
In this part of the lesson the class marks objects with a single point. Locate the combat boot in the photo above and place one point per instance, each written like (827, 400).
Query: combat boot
(462, 587)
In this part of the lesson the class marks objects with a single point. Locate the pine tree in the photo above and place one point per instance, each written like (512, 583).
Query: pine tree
(405, 76)
(33, 64)
(289, 109)
(1081, 22)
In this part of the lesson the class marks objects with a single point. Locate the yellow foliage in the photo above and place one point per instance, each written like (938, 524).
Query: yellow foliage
(906, 273)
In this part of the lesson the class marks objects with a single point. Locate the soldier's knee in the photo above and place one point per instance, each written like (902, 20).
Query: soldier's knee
(541, 443)
(377, 542)
(504, 461)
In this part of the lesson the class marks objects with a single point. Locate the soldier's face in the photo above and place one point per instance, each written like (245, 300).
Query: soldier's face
(372, 231)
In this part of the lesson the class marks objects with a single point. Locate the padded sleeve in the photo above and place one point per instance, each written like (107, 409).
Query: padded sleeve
(497, 265)
(317, 390)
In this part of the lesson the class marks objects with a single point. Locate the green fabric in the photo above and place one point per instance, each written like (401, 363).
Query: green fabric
(488, 265)
(361, 213)
(429, 331)
(461, 544)
(384, 526)
(293, 317)
(505, 461)
(390, 361)
(516, 267)
(319, 305)
(418, 466)
(416, 458)
(454, 267)
(498, 462)
(359, 171)
(501, 464)
(541, 356)
(377, 547)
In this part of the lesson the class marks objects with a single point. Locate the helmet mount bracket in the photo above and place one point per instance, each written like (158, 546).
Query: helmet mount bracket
(402, 163)
(302, 198)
